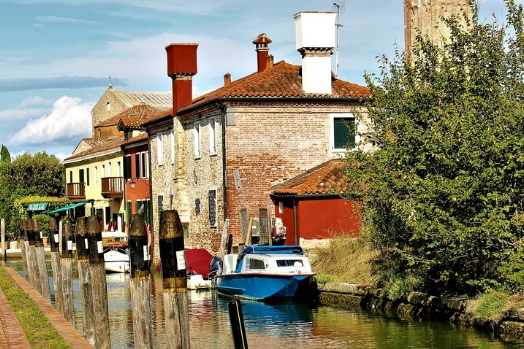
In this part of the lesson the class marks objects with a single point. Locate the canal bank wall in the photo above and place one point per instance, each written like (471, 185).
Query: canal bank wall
(419, 305)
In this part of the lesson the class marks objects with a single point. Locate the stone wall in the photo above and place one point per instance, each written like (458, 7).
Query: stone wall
(419, 305)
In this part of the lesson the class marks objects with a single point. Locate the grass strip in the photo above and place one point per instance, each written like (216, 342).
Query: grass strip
(37, 328)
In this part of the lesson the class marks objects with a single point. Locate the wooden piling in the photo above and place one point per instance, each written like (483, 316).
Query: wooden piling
(84, 280)
(99, 283)
(33, 268)
(237, 324)
(172, 256)
(23, 239)
(139, 283)
(2, 239)
(30, 275)
(66, 268)
(55, 264)
(41, 262)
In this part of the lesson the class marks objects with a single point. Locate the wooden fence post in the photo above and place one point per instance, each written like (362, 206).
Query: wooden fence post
(31, 254)
(55, 264)
(84, 280)
(66, 267)
(41, 262)
(139, 283)
(237, 324)
(99, 283)
(172, 256)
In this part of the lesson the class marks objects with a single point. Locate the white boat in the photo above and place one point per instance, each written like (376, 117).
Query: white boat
(116, 251)
(197, 282)
(264, 273)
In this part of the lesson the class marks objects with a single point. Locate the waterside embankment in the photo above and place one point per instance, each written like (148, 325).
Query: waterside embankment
(419, 305)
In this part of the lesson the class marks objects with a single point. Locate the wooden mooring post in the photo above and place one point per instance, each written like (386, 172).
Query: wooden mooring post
(66, 268)
(31, 257)
(139, 283)
(237, 324)
(23, 246)
(55, 264)
(2, 239)
(41, 262)
(172, 256)
(84, 280)
(99, 283)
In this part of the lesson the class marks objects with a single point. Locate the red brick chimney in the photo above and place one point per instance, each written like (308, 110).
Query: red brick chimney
(262, 47)
(227, 79)
(181, 66)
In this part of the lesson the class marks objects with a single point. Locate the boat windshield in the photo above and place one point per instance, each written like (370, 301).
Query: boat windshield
(289, 263)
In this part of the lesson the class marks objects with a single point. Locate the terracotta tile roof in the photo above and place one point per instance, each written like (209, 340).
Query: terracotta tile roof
(283, 80)
(158, 116)
(326, 178)
(159, 100)
(133, 117)
(101, 148)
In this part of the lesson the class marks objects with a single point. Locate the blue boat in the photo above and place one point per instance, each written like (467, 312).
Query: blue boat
(264, 273)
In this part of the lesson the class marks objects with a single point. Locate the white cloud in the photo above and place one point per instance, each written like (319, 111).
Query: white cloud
(69, 119)
(35, 100)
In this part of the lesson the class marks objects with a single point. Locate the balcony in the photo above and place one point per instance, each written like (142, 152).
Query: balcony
(76, 190)
(113, 187)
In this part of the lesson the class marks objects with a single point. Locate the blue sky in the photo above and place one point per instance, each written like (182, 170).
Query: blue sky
(56, 55)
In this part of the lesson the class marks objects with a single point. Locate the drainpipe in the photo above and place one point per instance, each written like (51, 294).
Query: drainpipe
(223, 116)
(295, 221)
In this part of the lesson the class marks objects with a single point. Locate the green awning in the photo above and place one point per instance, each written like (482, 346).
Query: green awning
(37, 206)
(76, 204)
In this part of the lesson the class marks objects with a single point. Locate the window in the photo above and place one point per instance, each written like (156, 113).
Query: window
(96, 175)
(159, 149)
(197, 139)
(160, 204)
(172, 146)
(212, 136)
(289, 262)
(109, 173)
(81, 176)
(256, 264)
(87, 175)
(118, 169)
(212, 197)
(343, 132)
(137, 165)
(144, 164)
(70, 176)
(103, 171)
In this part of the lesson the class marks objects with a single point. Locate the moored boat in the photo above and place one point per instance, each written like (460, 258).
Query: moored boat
(116, 251)
(264, 273)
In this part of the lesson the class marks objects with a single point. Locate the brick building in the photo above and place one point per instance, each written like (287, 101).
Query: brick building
(257, 131)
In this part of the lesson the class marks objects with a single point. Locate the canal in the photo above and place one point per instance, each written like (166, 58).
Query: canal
(283, 325)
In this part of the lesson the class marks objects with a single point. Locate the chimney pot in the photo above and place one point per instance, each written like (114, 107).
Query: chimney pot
(269, 62)
(262, 47)
(315, 40)
(227, 79)
(181, 66)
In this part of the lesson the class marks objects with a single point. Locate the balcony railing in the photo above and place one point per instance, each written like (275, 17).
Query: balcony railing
(76, 190)
(113, 187)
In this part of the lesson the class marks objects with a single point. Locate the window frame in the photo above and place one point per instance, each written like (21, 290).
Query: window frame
(346, 116)
(197, 139)
(212, 135)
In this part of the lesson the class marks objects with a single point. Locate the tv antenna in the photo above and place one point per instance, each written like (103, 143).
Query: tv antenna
(340, 7)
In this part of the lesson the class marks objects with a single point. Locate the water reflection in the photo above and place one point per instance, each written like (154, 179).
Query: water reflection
(282, 325)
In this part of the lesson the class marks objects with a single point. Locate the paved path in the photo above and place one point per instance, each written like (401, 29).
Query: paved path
(11, 333)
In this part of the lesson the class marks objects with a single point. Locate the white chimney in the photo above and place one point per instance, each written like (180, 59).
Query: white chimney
(315, 37)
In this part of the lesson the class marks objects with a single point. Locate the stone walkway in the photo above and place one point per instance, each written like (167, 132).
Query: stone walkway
(11, 333)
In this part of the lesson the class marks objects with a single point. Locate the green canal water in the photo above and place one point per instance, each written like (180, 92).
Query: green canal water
(284, 325)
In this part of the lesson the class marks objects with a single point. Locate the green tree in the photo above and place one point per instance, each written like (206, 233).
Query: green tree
(29, 175)
(443, 189)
